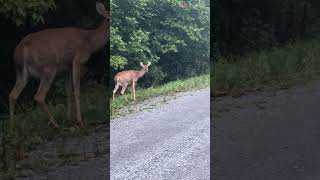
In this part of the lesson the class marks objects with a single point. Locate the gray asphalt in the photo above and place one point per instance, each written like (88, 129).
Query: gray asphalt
(271, 135)
(171, 141)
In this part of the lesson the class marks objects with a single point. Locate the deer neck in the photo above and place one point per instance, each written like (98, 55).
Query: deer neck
(141, 73)
(99, 37)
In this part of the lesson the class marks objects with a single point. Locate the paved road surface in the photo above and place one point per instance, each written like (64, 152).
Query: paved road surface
(168, 142)
(268, 136)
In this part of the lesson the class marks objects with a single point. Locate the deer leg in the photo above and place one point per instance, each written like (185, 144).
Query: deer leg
(76, 88)
(123, 90)
(68, 89)
(134, 90)
(115, 90)
(21, 82)
(45, 83)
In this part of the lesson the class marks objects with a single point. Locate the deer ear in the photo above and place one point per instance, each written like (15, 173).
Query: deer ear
(102, 10)
(149, 63)
(141, 64)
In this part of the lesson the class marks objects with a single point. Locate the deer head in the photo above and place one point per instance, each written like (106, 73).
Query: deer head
(145, 67)
(99, 37)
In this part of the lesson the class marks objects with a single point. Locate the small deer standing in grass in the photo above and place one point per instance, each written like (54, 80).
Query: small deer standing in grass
(129, 77)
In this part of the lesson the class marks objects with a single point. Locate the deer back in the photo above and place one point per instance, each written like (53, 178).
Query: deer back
(52, 47)
(127, 76)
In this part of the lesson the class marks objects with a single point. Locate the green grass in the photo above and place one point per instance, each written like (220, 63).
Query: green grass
(277, 67)
(171, 87)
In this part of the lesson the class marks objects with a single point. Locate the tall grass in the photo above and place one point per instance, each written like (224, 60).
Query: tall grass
(274, 67)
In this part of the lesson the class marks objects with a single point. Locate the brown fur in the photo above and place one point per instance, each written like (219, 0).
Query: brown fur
(129, 77)
(53, 51)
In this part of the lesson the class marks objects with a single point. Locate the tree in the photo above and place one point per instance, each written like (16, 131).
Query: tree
(18, 11)
(172, 34)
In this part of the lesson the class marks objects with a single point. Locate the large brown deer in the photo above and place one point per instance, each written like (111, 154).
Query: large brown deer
(129, 77)
(52, 51)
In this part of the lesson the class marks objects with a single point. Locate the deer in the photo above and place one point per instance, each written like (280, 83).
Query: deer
(129, 77)
(44, 54)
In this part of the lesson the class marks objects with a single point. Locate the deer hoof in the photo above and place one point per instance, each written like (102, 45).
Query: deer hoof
(81, 125)
(55, 125)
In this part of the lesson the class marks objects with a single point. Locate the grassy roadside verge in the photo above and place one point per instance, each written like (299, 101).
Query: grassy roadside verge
(171, 87)
(32, 127)
(277, 68)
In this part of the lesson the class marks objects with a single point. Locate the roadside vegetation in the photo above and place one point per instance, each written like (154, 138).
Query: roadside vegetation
(265, 43)
(276, 67)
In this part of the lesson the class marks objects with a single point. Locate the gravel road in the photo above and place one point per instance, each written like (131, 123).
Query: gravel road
(271, 135)
(165, 138)
(171, 141)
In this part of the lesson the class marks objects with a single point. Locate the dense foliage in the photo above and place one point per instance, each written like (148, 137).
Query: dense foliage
(18, 11)
(245, 25)
(173, 35)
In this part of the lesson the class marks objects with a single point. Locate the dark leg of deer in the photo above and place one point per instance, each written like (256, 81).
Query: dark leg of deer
(115, 90)
(21, 82)
(76, 88)
(45, 83)
(123, 90)
(68, 89)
